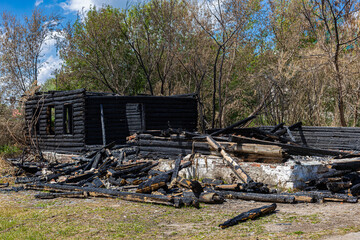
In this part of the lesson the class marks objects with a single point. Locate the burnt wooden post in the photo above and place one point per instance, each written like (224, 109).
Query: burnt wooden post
(239, 172)
(102, 124)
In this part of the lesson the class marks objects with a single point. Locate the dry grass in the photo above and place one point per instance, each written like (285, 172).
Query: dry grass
(23, 217)
(6, 168)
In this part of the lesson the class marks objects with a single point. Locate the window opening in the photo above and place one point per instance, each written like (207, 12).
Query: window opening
(68, 119)
(50, 120)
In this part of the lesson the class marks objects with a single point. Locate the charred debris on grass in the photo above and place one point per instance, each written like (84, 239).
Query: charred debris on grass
(127, 168)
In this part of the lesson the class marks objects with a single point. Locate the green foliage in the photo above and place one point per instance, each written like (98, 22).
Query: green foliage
(49, 85)
(9, 150)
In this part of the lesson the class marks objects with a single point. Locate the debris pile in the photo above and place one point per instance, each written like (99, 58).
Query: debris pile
(132, 173)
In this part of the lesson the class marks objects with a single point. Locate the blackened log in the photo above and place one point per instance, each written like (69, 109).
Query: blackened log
(255, 187)
(28, 180)
(61, 167)
(138, 181)
(259, 133)
(86, 181)
(174, 151)
(97, 182)
(230, 187)
(348, 165)
(74, 169)
(117, 182)
(210, 198)
(277, 198)
(196, 188)
(137, 197)
(96, 161)
(127, 166)
(328, 196)
(237, 124)
(355, 190)
(12, 189)
(106, 164)
(337, 186)
(252, 214)
(292, 127)
(176, 168)
(62, 195)
(154, 183)
(131, 170)
(29, 169)
(277, 127)
(4, 185)
(134, 175)
(194, 185)
(141, 173)
(354, 177)
(212, 182)
(79, 177)
(155, 172)
(334, 173)
(90, 154)
(146, 169)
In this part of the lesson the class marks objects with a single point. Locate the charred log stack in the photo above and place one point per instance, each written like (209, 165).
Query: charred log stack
(342, 178)
(158, 145)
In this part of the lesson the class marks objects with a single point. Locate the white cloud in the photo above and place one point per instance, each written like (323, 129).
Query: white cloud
(38, 2)
(78, 5)
(46, 70)
(50, 42)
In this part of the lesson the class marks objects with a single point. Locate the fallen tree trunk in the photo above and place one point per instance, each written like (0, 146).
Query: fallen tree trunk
(252, 214)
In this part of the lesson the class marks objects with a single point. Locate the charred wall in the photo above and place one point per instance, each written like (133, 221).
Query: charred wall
(56, 120)
(124, 116)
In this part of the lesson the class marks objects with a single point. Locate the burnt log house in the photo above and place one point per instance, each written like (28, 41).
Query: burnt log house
(73, 121)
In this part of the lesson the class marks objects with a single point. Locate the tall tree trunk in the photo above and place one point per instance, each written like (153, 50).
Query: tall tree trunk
(214, 87)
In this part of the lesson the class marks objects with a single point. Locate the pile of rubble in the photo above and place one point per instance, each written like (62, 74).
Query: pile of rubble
(132, 173)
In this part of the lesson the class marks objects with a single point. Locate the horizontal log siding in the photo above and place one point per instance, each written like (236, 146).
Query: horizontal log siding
(337, 138)
(60, 142)
(159, 113)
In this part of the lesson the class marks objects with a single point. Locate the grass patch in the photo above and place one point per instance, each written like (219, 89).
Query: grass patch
(9, 150)
(23, 217)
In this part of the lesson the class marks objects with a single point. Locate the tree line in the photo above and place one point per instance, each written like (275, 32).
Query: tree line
(288, 60)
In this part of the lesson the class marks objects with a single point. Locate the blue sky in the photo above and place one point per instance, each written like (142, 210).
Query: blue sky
(67, 9)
